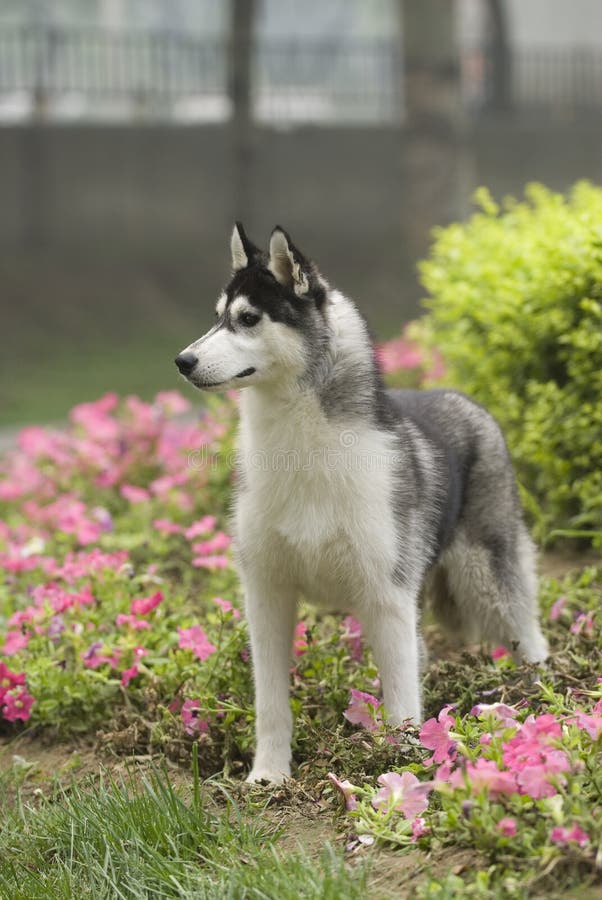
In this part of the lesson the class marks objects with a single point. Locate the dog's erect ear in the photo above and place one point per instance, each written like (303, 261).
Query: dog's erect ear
(288, 265)
(244, 251)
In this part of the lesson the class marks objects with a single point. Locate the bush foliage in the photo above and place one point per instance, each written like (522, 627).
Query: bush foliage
(516, 310)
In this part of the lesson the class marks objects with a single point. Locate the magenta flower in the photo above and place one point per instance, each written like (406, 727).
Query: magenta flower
(591, 724)
(434, 735)
(214, 545)
(346, 789)
(419, 829)
(17, 705)
(172, 403)
(352, 635)
(227, 607)
(485, 775)
(583, 624)
(134, 494)
(507, 827)
(166, 526)
(364, 709)
(195, 639)
(211, 562)
(92, 659)
(144, 605)
(128, 674)
(300, 642)
(403, 793)
(557, 608)
(499, 653)
(574, 835)
(9, 680)
(202, 526)
(131, 620)
(14, 642)
(190, 718)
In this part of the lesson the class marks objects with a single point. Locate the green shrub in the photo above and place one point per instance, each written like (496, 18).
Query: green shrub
(516, 310)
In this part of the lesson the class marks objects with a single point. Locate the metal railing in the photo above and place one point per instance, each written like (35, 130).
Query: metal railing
(95, 72)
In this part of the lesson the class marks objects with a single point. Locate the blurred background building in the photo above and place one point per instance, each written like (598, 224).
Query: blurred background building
(133, 133)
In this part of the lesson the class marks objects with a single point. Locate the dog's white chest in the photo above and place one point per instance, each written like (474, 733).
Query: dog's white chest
(317, 501)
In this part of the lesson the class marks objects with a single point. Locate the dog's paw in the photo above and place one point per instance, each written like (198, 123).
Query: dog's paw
(267, 776)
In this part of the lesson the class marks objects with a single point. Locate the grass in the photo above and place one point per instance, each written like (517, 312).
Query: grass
(137, 838)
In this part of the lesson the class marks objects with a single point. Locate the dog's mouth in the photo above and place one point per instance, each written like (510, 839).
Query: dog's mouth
(212, 384)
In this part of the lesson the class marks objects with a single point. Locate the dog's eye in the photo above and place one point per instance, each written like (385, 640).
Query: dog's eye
(248, 319)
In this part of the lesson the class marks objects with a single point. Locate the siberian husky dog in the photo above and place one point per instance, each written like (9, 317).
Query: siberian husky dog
(358, 498)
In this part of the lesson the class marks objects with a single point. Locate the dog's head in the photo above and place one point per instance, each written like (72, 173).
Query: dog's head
(273, 306)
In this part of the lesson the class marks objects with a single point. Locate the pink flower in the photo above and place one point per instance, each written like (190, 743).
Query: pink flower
(132, 621)
(92, 659)
(484, 775)
(507, 827)
(195, 639)
(499, 653)
(15, 641)
(346, 789)
(434, 735)
(144, 605)
(203, 526)
(591, 724)
(227, 607)
(352, 635)
(9, 680)
(584, 623)
(166, 526)
(211, 562)
(403, 793)
(364, 709)
(134, 494)
(574, 835)
(506, 714)
(419, 829)
(190, 717)
(17, 705)
(557, 607)
(215, 544)
(300, 642)
(533, 759)
(172, 403)
(128, 674)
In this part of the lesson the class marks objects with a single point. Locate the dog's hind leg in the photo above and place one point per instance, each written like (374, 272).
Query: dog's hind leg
(494, 591)
(391, 629)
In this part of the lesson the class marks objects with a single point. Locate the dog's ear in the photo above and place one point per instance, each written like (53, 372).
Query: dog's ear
(244, 251)
(289, 266)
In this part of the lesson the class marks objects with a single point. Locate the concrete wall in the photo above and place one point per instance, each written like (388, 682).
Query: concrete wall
(127, 227)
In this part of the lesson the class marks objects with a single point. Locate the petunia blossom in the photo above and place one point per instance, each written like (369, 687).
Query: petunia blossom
(14, 642)
(142, 606)
(574, 835)
(403, 793)
(364, 709)
(435, 735)
(17, 705)
(300, 642)
(507, 827)
(227, 607)
(190, 717)
(346, 789)
(195, 639)
(557, 608)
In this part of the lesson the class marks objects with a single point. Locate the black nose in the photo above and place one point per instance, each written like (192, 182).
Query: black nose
(185, 362)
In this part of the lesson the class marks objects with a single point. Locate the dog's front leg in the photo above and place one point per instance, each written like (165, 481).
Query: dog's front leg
(391, 629)
(271, 616)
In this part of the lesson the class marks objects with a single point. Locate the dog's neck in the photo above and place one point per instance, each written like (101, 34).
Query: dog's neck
(340, 384)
